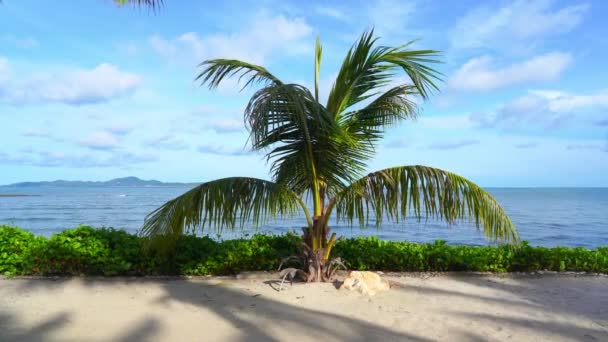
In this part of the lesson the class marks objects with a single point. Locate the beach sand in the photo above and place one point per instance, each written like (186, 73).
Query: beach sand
(416, 308)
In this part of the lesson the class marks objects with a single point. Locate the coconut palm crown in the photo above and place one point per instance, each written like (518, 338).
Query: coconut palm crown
(320, 152)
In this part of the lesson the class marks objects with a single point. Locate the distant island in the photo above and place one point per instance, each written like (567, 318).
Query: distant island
(125, 181)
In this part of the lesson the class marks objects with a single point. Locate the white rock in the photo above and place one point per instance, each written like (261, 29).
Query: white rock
(367, 283)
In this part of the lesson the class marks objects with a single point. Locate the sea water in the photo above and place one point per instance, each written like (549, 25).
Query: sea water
(544, 216)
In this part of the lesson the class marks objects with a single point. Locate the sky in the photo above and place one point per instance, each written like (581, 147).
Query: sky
(94, 91)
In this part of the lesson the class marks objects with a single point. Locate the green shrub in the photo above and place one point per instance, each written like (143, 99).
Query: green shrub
(372, 253)
(14, 244)
(88, 251)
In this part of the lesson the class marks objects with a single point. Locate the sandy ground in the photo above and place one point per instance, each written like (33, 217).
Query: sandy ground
(417, 308)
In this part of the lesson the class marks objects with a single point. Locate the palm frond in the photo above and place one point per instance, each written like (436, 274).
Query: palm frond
(359, 74)
(216, 70)
(304, 141)
(366, 69)
(415, 64)
(423, 191)
(154, 4)
(387, 109)
(318, 55)
(223, 203)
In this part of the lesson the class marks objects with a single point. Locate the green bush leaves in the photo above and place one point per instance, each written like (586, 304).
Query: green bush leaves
(88, 251)
(375, 254)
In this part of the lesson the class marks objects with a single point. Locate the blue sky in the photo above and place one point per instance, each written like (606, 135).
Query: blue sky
(93, 92)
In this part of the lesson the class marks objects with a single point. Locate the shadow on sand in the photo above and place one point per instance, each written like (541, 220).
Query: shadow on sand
(258, 318)
(232, 305)
(582, 296)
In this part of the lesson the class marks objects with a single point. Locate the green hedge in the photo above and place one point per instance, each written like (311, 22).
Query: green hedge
(89, 251)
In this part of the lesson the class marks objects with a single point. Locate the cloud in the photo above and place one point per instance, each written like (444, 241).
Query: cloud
(262, 37)
(120, 128)
(450, 122)
(478, 74)
(545, 108)
(163, 47)
(222, 150)
(42, 134)
(62, 159)
(391, 16)
(19, 42)
(514, 22)
(74, 87)
(331, 12)
(585, 147)
(101, 140)
(526, 145)
(205, 109)
(36, 133)
(560, 101)
(167, 142)
(226, 125)
(451, 145)
(5, 74)
(130, 49)
(399, 143)
(602, 123)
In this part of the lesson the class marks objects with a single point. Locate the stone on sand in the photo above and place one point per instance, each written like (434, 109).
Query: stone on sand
(367, 283)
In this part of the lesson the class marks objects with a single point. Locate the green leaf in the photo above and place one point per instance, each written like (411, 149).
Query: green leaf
(423, 192)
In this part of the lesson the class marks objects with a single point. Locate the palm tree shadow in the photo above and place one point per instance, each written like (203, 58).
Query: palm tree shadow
(255, 316)
(258, 318)
(570, 297)
(12, 330)
(142, 332)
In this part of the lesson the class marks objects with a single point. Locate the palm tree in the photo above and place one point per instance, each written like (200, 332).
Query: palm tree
(148, 3)
(320, 152)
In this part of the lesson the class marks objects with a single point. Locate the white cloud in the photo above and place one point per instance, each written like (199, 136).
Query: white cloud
(585, 147)
(205, 109)
(227, 125)
(452, 145)
(101, 140)
(559, 101)
(254, 43)
(4, 72)
(445, 122)
(515, 21)
(36, 133)
(163, 47)
(75, 87)
(63, 159)
(130, 49)
(331, 12)
(120, 128)
(527, 145)
(222, 150)
(545, 108)
(167, 142)
(19, 42)
(399, 143)
(478, 74)
(391, 16)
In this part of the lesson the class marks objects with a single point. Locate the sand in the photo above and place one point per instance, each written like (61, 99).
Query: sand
(416, 308)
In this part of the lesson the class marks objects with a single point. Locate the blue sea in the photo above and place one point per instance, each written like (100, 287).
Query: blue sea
(544, 216)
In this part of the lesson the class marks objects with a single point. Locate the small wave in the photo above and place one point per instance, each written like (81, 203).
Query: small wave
(122, 195)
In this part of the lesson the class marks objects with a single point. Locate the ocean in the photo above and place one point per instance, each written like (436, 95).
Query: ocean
(544, 216)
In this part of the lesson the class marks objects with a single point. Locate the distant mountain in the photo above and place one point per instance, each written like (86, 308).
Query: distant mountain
(125, 181)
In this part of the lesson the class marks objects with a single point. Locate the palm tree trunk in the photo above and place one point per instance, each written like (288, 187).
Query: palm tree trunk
(318, 250)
